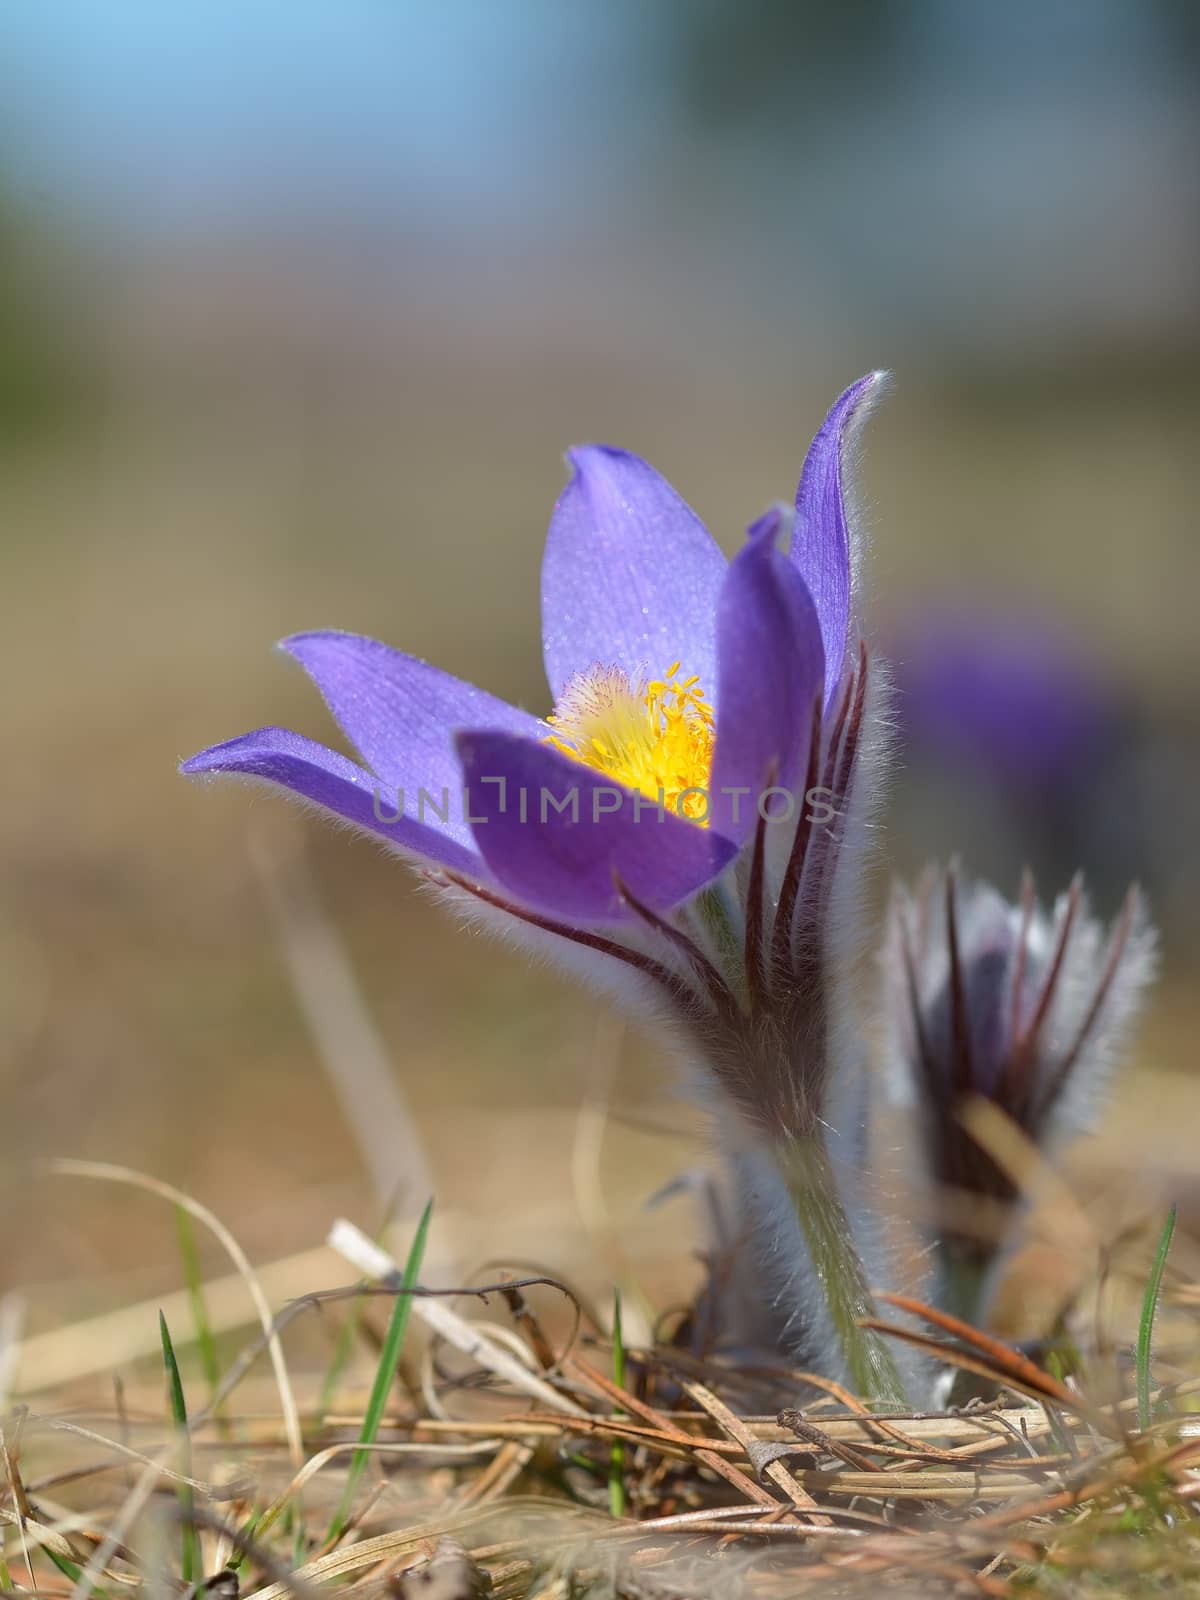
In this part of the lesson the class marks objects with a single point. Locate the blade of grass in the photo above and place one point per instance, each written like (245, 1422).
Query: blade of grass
(384, 1373)
(245, 1534)
(348, 1333)
(195, 1288)
(1059, 1431)
(1146, 1325)
(187, 1530)
(67, 1568)
(342, 1350)
(616, 1468)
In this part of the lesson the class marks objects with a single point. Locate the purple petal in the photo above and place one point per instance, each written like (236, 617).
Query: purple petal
(821, 541)
(566, 862)
(630, 576)
(771, 671)
(770, 524)
(401, 713)
(337, 785)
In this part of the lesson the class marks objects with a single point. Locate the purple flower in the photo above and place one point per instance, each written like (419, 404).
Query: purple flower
(689, 815)
(1021, 1007)
(1004, 695)
(684, 688)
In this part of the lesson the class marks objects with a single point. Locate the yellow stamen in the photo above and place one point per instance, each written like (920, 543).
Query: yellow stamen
(655, 737)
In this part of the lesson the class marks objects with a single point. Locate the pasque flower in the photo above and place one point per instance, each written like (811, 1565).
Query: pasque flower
(689, 814)
(1006, 696)
(676, 677)
(1025, 1008)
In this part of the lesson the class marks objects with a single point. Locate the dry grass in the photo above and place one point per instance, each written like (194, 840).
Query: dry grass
(507, 1456)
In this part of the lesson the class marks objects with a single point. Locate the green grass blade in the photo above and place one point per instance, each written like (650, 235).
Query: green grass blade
(240, 1555)
(616, 1464)
(344, 1344)
(385, 1372)
(342, 1350)
(195, 1288)
(68, 1568)
(175, 1397)
(1146, 1326)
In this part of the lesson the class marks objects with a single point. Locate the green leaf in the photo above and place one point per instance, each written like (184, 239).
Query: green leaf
(385, 1372)
(1146, 1326)
(67, 1568)
(175, 1397)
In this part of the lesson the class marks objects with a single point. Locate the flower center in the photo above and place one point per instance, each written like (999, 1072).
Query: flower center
(654, 737)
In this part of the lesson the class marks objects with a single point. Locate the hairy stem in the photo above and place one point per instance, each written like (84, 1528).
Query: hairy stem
(811, 1182)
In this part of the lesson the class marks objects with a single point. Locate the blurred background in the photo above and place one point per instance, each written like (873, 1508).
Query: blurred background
(300, 304)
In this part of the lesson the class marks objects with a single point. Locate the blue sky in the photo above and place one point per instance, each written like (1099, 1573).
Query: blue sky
(1036, 157)
(147, 109)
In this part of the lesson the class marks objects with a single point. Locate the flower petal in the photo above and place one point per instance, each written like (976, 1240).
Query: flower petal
(337, 785)
(557, 834)
(401, 713)
(630, 576)
(771, 523)
(821, 541)
(771, 668)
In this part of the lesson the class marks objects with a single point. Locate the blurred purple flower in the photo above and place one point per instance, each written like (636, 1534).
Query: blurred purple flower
(1007, 696)
(1023, 1008)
